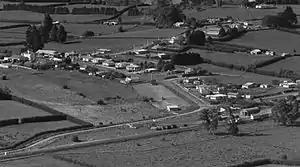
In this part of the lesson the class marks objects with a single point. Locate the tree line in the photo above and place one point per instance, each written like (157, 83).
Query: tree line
(47, 32)
(65, 10)
(286, 19)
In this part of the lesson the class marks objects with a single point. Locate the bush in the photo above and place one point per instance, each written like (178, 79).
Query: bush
(88, 34)
(100, 102)
(75, 139)
(275, 21)
(4, 77)
(120, 29)
(81, 94)
(66, 87)
(186, 59)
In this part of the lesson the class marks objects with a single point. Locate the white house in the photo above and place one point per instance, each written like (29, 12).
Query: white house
(132, 79)
(56, 59)
(288, 85)
(255, 52)
(108, 63)
(47, 52)
(87, 58)
(121, 65)
(203, 89)
(248, 85)
(232, 94)
(98, 60)
(247, 112)
(150, 70)
(173, 108)
(264, 86)
(30, 55)
(216, 96)
(132, 67)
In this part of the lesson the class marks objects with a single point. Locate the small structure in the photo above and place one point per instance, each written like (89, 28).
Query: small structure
(5, 65)
(30, 55)
(133, 67)
(216, 96)
(255, 52)
(98, 60)
(150, 70)
(232, 95)
(87, 58)
(173, 108)
(288, 85)
(215, 31)
(264, 86)
(248, 85)
(132, 79)
(247, 112)
(203, 89)
(121, 65)
(108, 63)
(47, 52)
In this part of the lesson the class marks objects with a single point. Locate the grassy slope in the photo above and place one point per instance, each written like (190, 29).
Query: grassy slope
(12, 109)
(289, 64)
(195, 148)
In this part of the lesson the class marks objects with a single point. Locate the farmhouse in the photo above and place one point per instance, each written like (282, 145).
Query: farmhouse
(204, 90)
(173, 108)
(132, 67)
(215, 31)
(30, 55)
(249, 85)
(232, 94)
(288, 85)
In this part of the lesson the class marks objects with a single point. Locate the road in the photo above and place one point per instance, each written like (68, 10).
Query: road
(53, 138)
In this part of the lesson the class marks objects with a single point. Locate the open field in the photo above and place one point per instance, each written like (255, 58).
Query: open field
(243, 59)
(277, 41)
(157, 92)
(29, 85)
(45, 161)
(195, 148)
(288, 64)
(238, 77)
(16, 133)
(12, 109)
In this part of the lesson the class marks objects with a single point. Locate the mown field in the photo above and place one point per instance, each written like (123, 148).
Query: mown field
(288, 64)
(237, 77)
(196, 148)
(277, 41)
(45, 161)
(158, 92)
(242, 59)
(12, 134)
(12, 109)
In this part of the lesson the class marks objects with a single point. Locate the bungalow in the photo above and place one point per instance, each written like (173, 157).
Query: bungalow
(248, 85)
(121, 65)
(108, 63)
(133, 67)
(216, 96)
(47, 52)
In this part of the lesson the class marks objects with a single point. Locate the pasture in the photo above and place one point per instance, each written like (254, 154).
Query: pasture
(46, 161)
(195, 148)
(275, 40)
(288, 64)
(11, 109)
(242, 59)
(12, 134)
(158, 92)
(237, 77)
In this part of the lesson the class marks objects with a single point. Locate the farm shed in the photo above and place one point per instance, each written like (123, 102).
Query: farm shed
(247, 112)
(173, 108)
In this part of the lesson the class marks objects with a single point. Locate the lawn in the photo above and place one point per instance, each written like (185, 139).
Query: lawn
(277, 41)
(195, 148)
(12, 109)
(29, 85)
(45, 161)
(243, 59)
(158, 92)
(238, 77)
(288, 64)
(16, 133)
(15, 34)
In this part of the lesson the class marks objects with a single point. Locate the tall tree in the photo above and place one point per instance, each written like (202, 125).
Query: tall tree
(42, 34)
(289, 15)
(53, 33)
(47, 24)
(29, 38)
(210, 118)
(61, 34)
(33, 39)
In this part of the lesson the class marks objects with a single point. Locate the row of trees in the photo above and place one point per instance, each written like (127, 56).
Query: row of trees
(102, 10)
(186, 59)
(286, 19)
(36, 37)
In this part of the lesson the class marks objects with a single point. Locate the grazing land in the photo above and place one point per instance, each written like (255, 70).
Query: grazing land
(261, 39)
(196, 148)
(12, 109)
(242, 59)
(157, 92)
(45, 161)
(288, 64)
(12, 134)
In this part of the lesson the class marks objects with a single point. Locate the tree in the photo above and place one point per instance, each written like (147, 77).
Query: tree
(196, 38)
(53, 33)
(275, 21)
(285, 113)
(192, 22)
(210, 118)
(47, 25)
(88, 34)
(33, 39)
(289, 15)
(61, 34)
(232, 123)
(160, 65)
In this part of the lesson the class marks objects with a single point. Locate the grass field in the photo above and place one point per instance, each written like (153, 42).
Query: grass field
(238, 77)
(195, 148)
(45, 161)
(16, 133)
(243, 59)
(12, 109)
(158, 92)
(288, 64)
(271, 39)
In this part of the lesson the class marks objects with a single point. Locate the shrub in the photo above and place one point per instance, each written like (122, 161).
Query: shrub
(75, 139)
(4, 77)
(100, 102)
(88, 34)
(81, 94)
(186, 59)
(66, 87)
(120, 29)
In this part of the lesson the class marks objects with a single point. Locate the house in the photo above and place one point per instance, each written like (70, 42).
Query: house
(215, 32)
(189, 71)
(204, 90)
(30, 55)
(82, 68)
(87, 58)
(108, 63)
(248, 85)
(6, 65)
(133, 67)
(121, 65)
(216, 96)
(264, 86)
(132, 79)
(150, 70)
(173, 108)
(288, 85)
(140, 51)
(232, 95)
(103, 51)
(98, 60)
(247, 96)
(255, 52)
(56, 59)
(247, 112)
(47, 52)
